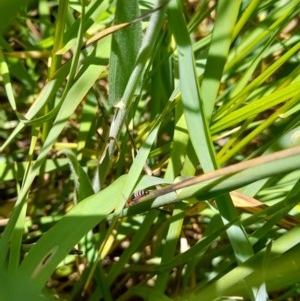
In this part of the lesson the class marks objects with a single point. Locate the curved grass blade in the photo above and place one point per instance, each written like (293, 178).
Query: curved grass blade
(55, 244)
(148, 43)
(227, 13)
(194, 110)
(280, 270)
(84, 81)
(224, 180)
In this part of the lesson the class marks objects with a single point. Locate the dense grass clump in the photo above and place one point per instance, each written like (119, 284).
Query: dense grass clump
(149, 150)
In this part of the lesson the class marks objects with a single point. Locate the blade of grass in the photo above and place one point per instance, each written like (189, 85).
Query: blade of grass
(257, 82)
(47, 94)
(226, 179)
(180, 141)
(126, 191)
(95, 11)
(87, 124)
(278, 19)
(194, 252)
(58, 36)
(255, 107)
(244, 18)
(169, 248)
(135, 242)
(148, 43)
(259, 129)
(227, 13)
(87, 77)
(8, 10)
(280, 266)
(124, 49)
(15, 170)
(82, 182)
(4, 71)
(283, 208)
(17, 233)
(145, 293)
(55, 244)
(194, 110)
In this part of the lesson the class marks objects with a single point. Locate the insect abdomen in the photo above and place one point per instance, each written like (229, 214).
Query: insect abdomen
(137, 195)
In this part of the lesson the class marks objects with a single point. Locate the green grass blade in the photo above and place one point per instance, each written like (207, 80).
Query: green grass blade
(135, 242)
(15, 170)
(179, 147)
(227, 12)
(88, 75)
(197, 122)
(4, 71)
(54, 245)
(47, 94)
(147, 46)
(82, 182)
(224, 180)
(249, 274)
(172, 240)
(193, 109)
(124, 49)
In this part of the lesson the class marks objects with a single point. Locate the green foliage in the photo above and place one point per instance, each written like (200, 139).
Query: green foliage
(8, 10)
(124, 49)
(196, 103)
